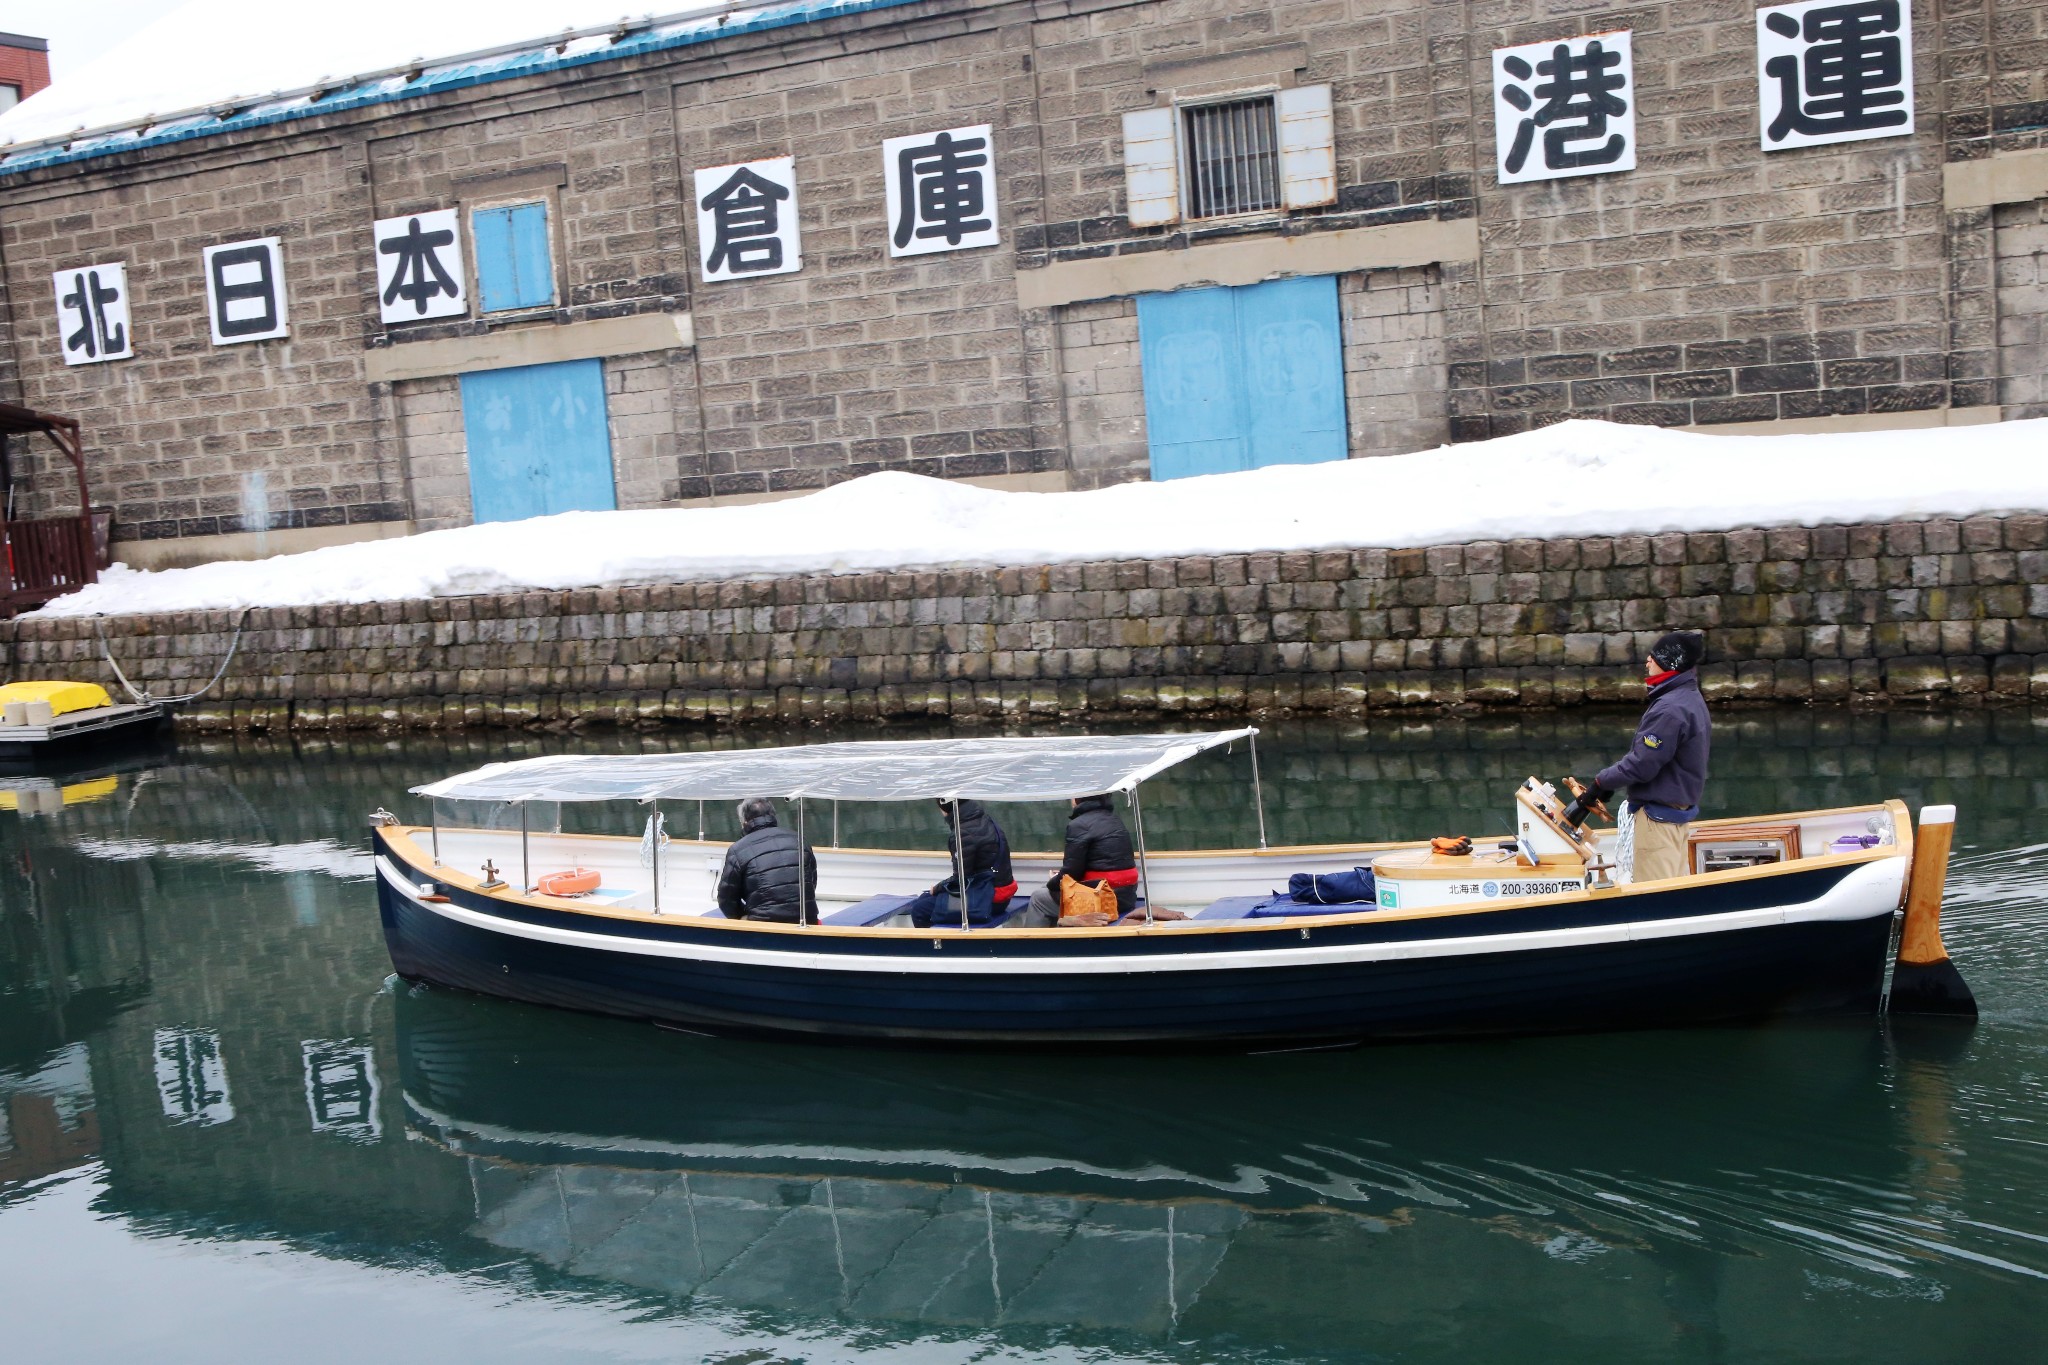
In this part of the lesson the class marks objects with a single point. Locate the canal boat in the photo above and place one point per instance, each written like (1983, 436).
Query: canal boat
(1539, 932)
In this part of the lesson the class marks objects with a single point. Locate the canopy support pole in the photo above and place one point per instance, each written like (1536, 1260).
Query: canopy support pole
(655, 864)
(700, 822)
(1144, 881)
(525, 863)
(434, 822)
(803, 847)
(835, 823)
(959, 861)
(1258, 792)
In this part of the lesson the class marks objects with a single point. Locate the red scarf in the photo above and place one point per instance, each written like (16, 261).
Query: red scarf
(1659, 679)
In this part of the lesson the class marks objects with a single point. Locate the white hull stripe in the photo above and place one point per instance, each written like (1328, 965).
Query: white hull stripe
(1868, 891)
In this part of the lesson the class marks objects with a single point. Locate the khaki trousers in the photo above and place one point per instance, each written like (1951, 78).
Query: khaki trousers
(1660, 849)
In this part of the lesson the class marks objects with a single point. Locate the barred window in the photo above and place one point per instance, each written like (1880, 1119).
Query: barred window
(1233, 157)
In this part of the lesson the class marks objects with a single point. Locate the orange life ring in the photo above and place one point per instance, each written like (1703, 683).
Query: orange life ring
(575, 882)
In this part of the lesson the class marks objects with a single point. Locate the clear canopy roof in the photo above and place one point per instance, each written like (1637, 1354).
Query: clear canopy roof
(1035, 768)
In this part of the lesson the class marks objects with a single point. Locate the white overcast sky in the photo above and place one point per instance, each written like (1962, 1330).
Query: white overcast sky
(79, 30)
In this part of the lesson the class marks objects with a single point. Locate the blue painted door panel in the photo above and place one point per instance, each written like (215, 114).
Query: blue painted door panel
(1194, 408)
(1293, 370)
(538, 441)
(1237, 378)
(512, 265)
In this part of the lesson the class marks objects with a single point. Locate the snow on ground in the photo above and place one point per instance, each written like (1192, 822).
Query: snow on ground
(1573, 479)
(213, 52)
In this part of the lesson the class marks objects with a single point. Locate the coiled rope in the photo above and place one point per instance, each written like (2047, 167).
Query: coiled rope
(141, 696)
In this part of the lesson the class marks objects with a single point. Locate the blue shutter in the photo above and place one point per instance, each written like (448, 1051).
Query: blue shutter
(1238, 378)
(1194, 394)
(538, 441)
(513, 269)
(1293, 370)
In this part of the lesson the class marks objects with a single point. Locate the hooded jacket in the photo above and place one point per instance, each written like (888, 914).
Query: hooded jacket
(1099, 849)
(759, 879)
(983, 848)
(1665, 769)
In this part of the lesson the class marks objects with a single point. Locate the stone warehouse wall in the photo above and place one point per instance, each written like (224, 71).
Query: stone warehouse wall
(1913, 611)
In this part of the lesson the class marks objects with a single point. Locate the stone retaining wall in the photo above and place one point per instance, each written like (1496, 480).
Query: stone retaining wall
(1906, 612)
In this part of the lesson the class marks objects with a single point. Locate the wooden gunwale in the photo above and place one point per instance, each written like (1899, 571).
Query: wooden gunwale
(404, 843)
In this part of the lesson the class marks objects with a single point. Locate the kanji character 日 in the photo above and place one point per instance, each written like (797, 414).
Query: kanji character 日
(1834, 71)
(1565, 108)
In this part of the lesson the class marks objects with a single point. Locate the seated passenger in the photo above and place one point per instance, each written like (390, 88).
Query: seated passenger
(759, 880)
(1098, 850)
(985, 853)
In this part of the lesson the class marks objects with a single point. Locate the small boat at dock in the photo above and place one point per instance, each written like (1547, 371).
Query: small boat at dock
(1543, 931)
(48, 724)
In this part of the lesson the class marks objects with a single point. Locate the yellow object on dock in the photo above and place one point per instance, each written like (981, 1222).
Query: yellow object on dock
(62, 696)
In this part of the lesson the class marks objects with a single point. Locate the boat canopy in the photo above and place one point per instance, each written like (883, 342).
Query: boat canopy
(1032, 768)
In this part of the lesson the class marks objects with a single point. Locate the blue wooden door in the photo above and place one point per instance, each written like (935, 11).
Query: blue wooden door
(1195, 414)
(538, 442)
(1238, 378)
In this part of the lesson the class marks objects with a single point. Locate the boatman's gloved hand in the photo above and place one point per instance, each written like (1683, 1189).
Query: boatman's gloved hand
(1582, 805)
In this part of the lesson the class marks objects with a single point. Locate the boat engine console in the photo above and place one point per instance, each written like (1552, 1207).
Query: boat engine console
(1546, 857)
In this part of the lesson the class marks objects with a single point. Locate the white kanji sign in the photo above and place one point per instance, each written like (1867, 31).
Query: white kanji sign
(1565, 108)
(92, 314)
(942, 190)
(192, 1076)
(419, 267)
(746, 219)
(1834, 71)
(245, 291)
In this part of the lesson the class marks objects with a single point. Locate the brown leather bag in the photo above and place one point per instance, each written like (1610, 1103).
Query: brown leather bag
(1084, 904)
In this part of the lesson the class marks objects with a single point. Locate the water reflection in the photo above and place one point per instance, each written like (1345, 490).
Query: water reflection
(194, 1012)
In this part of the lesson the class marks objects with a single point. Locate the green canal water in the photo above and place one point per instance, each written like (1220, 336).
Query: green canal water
(229, 1135)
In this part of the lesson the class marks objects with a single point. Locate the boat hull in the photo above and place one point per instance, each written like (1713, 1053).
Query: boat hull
(1804, 942)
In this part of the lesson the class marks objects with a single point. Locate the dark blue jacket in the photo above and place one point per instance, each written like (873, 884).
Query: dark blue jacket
(759, 880)
(1666, 767)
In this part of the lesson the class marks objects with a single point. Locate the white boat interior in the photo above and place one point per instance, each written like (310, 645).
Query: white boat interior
(867, 887)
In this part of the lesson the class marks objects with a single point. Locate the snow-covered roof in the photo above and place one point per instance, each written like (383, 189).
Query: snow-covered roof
(1036, 768)
(216, 66)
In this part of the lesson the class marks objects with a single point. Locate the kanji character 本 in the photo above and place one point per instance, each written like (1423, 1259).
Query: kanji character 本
(97, 334)
(747, 234)
(940, 190)
(1578, 99)
(419, 277)
(1848, 76)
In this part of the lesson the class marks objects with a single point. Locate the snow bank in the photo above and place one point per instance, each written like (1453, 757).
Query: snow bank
(1574, 479)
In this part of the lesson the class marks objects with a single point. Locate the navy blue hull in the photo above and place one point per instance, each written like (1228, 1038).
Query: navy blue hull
(1811, 967)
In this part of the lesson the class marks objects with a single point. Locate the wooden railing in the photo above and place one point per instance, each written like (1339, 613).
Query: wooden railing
(46, 558)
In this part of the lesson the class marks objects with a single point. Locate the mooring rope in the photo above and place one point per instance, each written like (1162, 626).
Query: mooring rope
(142, 697)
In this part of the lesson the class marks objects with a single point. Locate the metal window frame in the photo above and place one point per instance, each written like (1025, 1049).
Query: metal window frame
(1184, 154)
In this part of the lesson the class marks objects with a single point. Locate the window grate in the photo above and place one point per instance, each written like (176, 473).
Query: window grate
(1233, 158)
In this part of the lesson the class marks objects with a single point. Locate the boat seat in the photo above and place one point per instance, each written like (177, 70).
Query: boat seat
(880, 909)
(1272, 906)
(873, 910)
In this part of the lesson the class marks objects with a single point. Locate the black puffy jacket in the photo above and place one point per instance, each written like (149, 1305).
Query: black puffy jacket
(1097, 842)
(759, 880)
(983, 847)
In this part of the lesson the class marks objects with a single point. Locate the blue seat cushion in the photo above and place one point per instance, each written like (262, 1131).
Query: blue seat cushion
(873, 910)
(1275, 906)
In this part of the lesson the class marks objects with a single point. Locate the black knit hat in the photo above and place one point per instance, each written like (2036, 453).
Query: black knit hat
(1679, 650)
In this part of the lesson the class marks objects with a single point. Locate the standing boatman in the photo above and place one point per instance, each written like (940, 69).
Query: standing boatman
(1665, 769)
